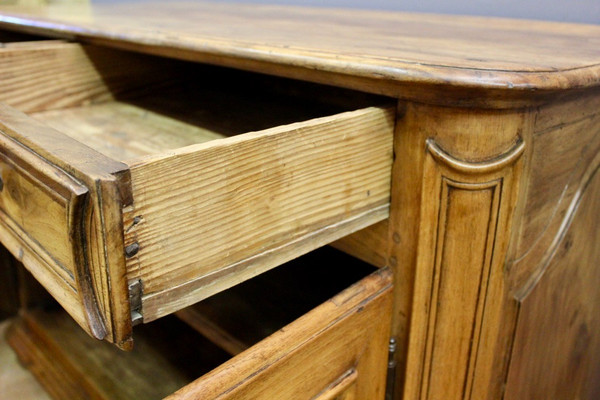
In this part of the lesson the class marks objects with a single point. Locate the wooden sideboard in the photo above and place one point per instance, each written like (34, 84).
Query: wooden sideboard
(155, 154)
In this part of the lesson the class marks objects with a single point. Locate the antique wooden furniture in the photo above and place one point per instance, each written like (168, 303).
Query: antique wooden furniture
(474, 141)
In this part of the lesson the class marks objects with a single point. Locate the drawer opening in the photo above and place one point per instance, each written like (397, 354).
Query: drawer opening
(14, 39)
(153, 105)
(181, 180)
(171, 353)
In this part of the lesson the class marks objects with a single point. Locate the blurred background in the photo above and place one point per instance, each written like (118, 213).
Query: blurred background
(584, 11)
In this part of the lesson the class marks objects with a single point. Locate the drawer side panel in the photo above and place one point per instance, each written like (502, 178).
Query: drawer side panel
(212, 215)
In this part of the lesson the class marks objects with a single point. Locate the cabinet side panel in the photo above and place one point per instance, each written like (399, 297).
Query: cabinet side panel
(557, 347)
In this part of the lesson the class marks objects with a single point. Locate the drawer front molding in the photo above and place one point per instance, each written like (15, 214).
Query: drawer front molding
(61, 208)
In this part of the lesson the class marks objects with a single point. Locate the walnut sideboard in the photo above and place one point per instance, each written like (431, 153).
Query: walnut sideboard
(156, 154)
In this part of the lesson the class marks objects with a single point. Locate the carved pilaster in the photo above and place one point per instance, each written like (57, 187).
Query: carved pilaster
(468, 194)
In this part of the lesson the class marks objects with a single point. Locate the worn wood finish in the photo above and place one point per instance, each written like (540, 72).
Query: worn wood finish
(564, 154)
(496, 152)
(453, 59)
(74, 75)
(103, 313)
(369, 244)
(557, 348)
(465, 186)
(291, 188)
(241, 316)
(553, 269)
(338, 349)
(71, 365)
(69, 210)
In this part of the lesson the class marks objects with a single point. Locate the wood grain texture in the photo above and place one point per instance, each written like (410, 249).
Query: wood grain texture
(248, 203)
(563, 158)
(553, 264)
(557, 348)
(45, 203)
(314, 354)
(71, 365)
(74, 75)
(381, 52)
(245, 314)
(457, 198)
(106, 311)
(369, 244)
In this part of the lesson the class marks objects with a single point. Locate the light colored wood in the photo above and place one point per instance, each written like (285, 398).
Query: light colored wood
(455, 205)
(496, 147)
(556, 346)
(71, 365)
(103, 313)
(123, 131)
(74, 75)
(314, 353)
(45, 204)
(369, 244)
(153, 121)
(565, 152)
(243, 315)
(291, 189)
(455, 58)
(553, 270)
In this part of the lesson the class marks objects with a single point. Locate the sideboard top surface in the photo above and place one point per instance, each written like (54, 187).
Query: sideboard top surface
(377, 51)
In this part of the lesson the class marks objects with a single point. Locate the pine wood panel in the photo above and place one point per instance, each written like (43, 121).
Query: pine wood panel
(124, 131)
(369, 244)
(194, 238)
(556, 352)
(314, 355)
(452, 207)
(381, 52)
(243, 315)
(45, 203)
(74, 75)
(105, 313)
(566, 141)
(71, 365)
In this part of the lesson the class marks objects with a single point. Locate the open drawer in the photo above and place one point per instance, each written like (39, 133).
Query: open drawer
(303, 343)
(133, 186)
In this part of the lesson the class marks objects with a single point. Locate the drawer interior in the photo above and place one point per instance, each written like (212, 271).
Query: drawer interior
(171, 353)
(128, 106)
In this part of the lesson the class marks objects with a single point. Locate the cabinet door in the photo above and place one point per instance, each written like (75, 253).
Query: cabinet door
(336, 351)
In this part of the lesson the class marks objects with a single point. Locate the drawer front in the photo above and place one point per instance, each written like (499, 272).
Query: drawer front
(44, 205)
(336, 351)
(41, 211)
(60, 216)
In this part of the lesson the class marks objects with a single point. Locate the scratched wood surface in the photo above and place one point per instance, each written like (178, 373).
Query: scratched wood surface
(382, 52)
